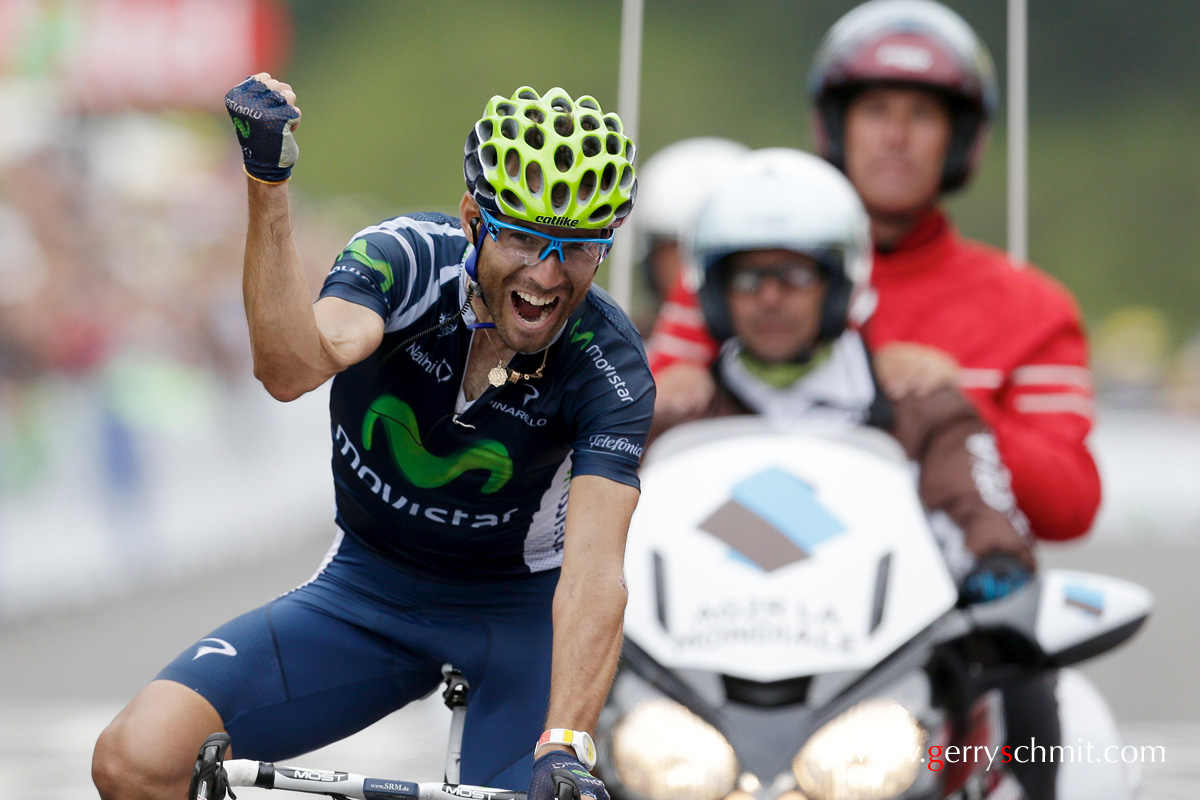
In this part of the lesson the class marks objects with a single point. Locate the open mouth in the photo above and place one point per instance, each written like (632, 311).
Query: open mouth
(531, 309)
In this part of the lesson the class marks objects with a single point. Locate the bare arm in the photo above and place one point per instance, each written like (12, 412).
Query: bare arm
(297, 345)
(905, 369)
(589, 604)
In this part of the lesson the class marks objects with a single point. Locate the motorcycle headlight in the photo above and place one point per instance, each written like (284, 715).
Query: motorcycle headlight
(662, 751)
(870, 752)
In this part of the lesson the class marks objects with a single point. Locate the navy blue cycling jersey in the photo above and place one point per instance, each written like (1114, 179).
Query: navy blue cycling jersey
(472, 491)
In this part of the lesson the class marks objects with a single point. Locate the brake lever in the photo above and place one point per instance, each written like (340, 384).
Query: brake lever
(209, 781)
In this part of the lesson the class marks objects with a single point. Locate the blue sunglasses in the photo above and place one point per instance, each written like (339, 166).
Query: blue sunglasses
(529, 246)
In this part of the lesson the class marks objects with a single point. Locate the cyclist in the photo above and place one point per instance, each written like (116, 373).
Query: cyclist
(488, 410)
(902, 93)
(780, 256)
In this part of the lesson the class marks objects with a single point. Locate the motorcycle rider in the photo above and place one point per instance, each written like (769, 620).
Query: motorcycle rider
(902, 93)
(779, 258)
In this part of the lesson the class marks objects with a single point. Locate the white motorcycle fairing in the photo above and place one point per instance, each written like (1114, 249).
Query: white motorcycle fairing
(777, 553)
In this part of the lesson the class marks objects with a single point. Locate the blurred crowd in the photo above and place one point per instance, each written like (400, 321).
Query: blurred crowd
(121, 322)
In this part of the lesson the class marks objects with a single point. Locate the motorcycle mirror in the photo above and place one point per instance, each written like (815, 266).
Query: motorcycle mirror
(1069, 616)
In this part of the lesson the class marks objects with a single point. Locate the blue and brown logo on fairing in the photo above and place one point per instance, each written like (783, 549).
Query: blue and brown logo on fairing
(773, 519)
(1088, 600)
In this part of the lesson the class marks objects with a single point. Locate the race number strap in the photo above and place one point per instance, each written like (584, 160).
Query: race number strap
(579, 741)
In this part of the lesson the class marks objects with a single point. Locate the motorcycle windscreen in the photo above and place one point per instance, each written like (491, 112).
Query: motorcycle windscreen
(772, 555)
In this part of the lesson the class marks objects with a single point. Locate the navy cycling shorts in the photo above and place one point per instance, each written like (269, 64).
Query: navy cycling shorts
(364, 638)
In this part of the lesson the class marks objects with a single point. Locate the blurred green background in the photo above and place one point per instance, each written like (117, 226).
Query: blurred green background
(389, 88)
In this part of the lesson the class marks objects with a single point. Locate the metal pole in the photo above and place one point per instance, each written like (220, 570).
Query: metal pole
(620, 264)
(1018, 131)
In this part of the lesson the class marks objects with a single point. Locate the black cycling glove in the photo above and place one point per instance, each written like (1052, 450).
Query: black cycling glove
(264, 121)
(561, 776)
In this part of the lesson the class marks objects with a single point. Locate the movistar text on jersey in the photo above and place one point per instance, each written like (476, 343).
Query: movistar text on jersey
(383, 490)
(584, 340)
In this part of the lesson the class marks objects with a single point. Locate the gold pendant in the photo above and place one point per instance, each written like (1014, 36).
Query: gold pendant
(498, 375)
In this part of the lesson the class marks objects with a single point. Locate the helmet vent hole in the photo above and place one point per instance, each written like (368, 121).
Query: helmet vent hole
(623, 210)
(512, 201)
(560, 195)
(484, 130)
(471, 145)
(563, 125)
(512, 163)
(612, 143)
(472, 167)
(506, 109)
(626, 179)
(588, 102)
(591, 146)
(608, 177)
(533, 178)
(510, 129)
(587, 186)
(488, 154)
(535, 138)
(561, 104)
(600, 214)
(564, 158)
(535, 114)
(630, 151)
(612, 123)
(485, 189)
(528, 94)
(589, 123)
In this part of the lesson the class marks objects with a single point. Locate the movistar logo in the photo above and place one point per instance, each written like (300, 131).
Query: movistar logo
(358, 252)
(419, 466)
(242, 126)
(584, 339)
(581, 336)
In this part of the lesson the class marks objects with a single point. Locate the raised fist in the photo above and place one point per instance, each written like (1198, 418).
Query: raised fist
(264, 115)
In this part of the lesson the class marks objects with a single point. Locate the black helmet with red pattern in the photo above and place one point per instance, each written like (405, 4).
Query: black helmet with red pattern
(915, 43)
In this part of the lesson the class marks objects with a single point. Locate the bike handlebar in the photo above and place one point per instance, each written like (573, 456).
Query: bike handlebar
(264, 775)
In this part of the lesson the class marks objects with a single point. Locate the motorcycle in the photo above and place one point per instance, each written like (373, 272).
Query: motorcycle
(793, 632)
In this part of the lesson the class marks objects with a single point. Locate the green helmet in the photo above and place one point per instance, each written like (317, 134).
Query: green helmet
(551, 160)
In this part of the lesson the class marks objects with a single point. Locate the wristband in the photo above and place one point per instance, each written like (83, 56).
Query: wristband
(579, 741)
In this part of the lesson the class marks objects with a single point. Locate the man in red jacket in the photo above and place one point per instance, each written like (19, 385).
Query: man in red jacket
(902, 95)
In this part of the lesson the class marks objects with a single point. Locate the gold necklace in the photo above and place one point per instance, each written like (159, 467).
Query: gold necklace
(500, 374)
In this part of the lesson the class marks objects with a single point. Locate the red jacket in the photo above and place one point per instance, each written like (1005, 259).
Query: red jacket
(1015, 332)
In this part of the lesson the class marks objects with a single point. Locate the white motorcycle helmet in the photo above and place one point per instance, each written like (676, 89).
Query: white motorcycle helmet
(781, 198)
(671, 186)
